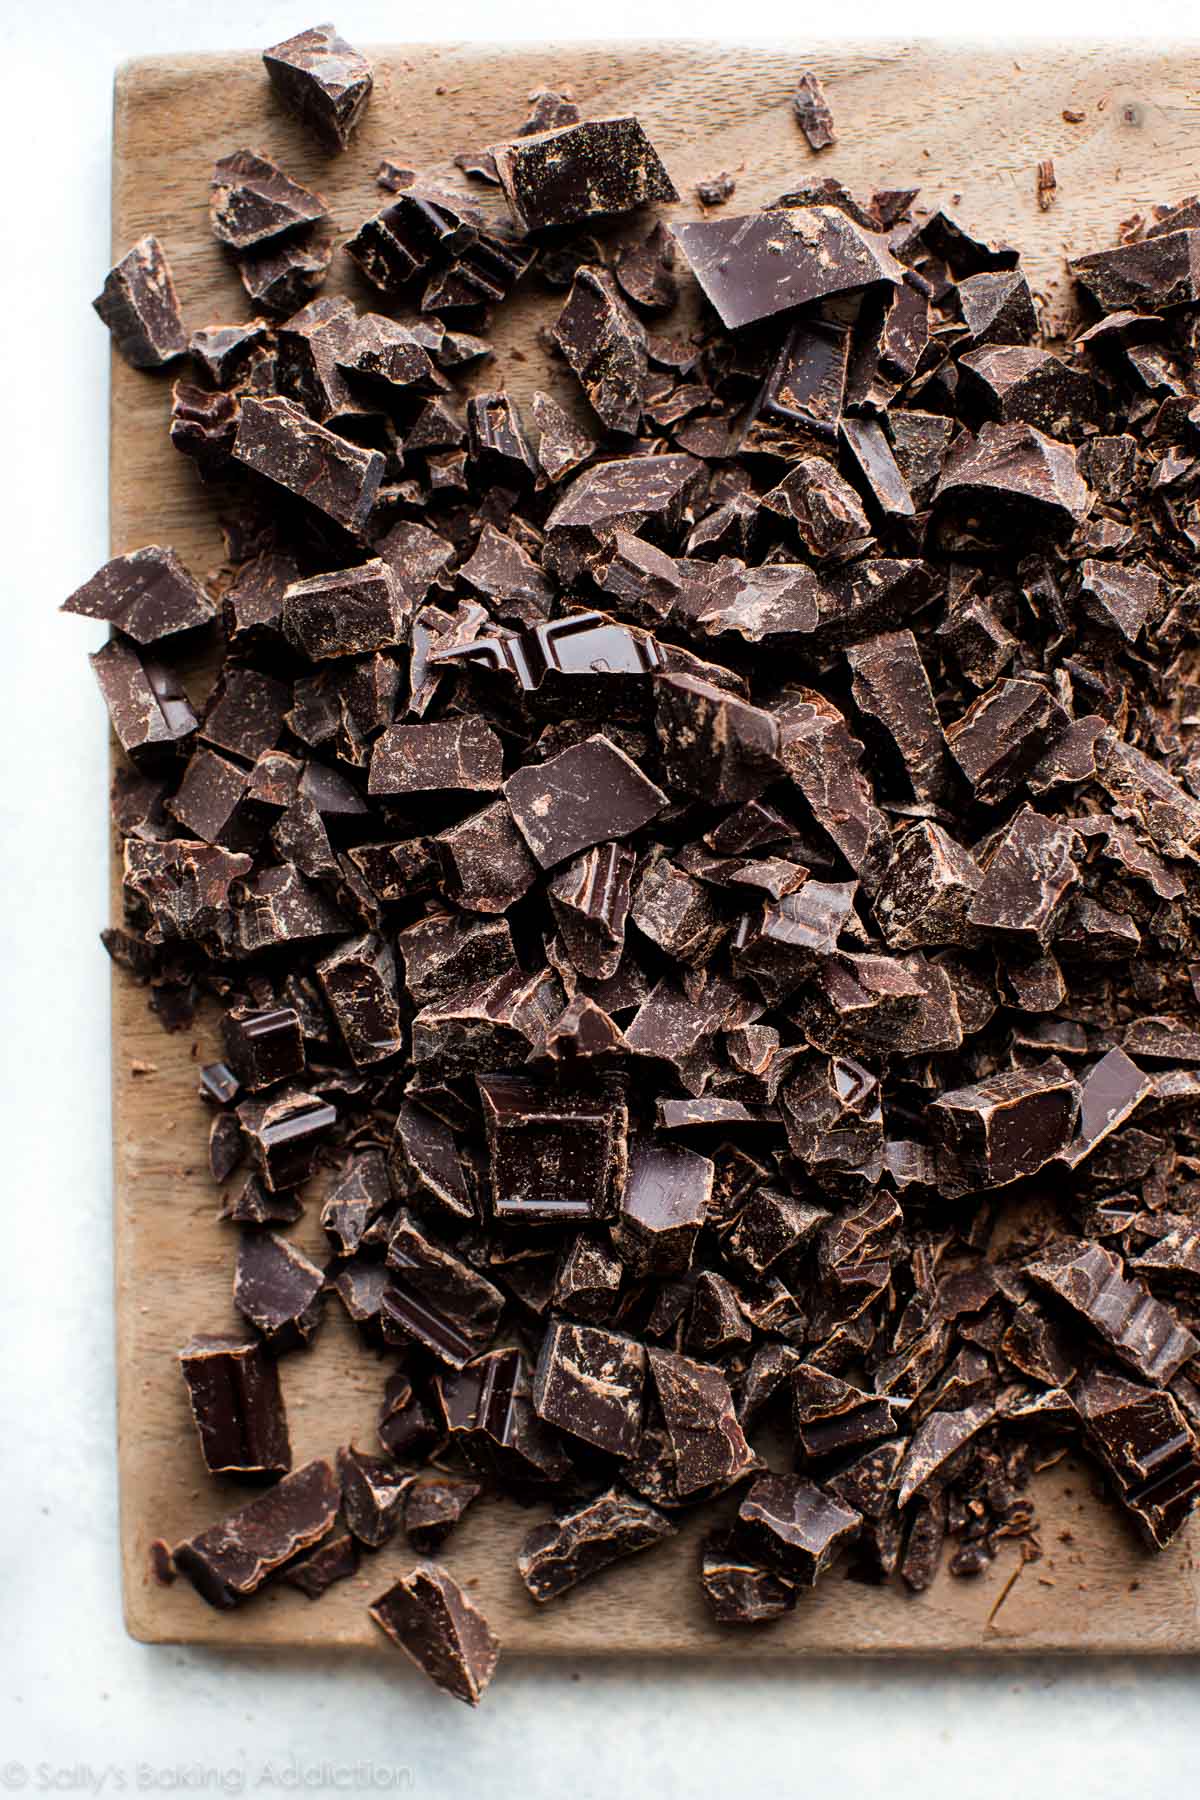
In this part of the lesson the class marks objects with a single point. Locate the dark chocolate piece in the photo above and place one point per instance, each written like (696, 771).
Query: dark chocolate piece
(575, 1546)
(606, 346)
(891, 688)
(1141, 1331)
(359, 984)
(277, 440)
(663, 1209)
(263, 1045)
(355, 1202)
(713, 744)
(148, 595)
(586, 795)
(1008, 478)
(754, 267)
(321, 79)
(428, 1616)
(488, 1411)
(707, 1442)
(460, 753)
(1011, 1124)
(1143, 1440)
(590, 899)
(1160, 271)
(554, 1156)
(278, 1290)
(139, 305)
(433, 1507)
(435, 1299)
(1003, 734)
(796, 1526)
(147, 706)
(373, 1493)
(739, 1589)
(237, 1406)
(581, 171)
(812, 112)
(253, 201)
(1028, 874)
(589, 1383)
(349, 612)
(315, 1572)
(283, 274)
(232, 1559)
(424, 1149)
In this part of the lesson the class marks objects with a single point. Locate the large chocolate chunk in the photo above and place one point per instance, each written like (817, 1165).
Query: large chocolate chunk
(428, 1616)
(373, 1491)
(451, 753)
(1006, 479)
(667, 1195)
(713, 744)
(1028, 874)
(139, 305)
(1003, 734)
(821, 757)
(232, 1559)
(359, 983)
(891, 689)
(581, 171)
(488, 1411)
(590, 898)
(277, 440)
(929, 888)
(148, 595)
(1145, 1443)
(605, 344)
(585, 795)
(739, 1589)
(320, 78)
(264, 1045)
(1160, 271)
(1011, 1124)
(590, 1384)
(237, 1406)
(349, 612)
(754, 267)
(278, 1290)
(796, 1526)
(355, 1202)
(435, 1299)
(1090, 1280)
(707, 1442)
(147, 706)
(494, 1025)
(577, 1545)
(555, 1155)
(253, 201)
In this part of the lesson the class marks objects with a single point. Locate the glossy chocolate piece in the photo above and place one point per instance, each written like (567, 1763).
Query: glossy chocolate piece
(1003, 734)
(891, 689)
(665, 1204)
(772, 1225)
(929, 889)
(707, 1442)
(278, 1290)
(433, 1507)
(435, 1299)
(323, 81)
(1160, 271)
(283, 1133)
(576, 1545)
(754, 267)
(812, 112)
(147, 706)
(554, 1155)
(263, 1046)
(428, 1616)
(714, 745)
(590, 1384)
(315, 1572)
(582, 171)
(1011, 1124)
(253, 201)
(796, 1527)
(462, 753)
(147, 595)
(1141, 1331)
(488, 1410)
(237, 1406)
(359, 984)
(139, 305)
(1008, 478)
(1144, 1442)
(585, 795)
(278, 441)
(231, 1560)
(355, 1202)
(590, 898)
(424, 1152)
(373, 1495)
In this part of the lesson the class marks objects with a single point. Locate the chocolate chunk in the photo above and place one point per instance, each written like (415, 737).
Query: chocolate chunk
(349, 612)
(739, 1589)
(795, 1525)
(713, 744)
(664, 1206)
(253, 201)
(754, 267)
(237, 1406)
(997, 307)
(373, 1493)
(891, 688)
(1144, 1442)
(938, 1448)
(1163, 1039)
(1016, 383)
(283, 274)
(706, 1439)
(355, 1202)
(496, 440)
(1158, 272)
(278, 1290)
(823, 508)
(433, 1507)
(581, 171)
(232, 1559)
(277, 440)
(1145, 793)
(1121, 598)
(832, 1417)
(407, 1429)
(586, 795)
(812, 112)
(553, 1155)
(428, 1616)
(359, 984)
(605, 345)
(874, 468)
(1011, 1124)
(677, 913)
(460, 753)
(575, 1546)
(263, 1045)
(1003, 734)
(324, 82)
(589, 1383)
(1109, 1093)
(494, 1025)
(929, 889)
(587, 1280)
(147, 706)
(315, 1572)
(772, 1225)
(821, 757)
(435, 1299)
(1007, 478)
(226, 352)
(633, 494)
(139, 305)
(424, 1149)
(488, 1411)
(590, 898)
(283, 1132)
(645, 272)
(148, 595)
(486, 865)
(1029, 872)
(1140, 1330)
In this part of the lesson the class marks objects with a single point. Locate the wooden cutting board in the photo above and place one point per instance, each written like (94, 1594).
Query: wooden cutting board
(966, 123)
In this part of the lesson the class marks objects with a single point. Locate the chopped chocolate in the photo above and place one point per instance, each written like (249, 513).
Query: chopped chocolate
(373, 1493)
(139, 305)
(488, 1411)
(1144, 1442)
(577, 1545)
(359, 984)
(590, 898)
(435, 1299)
(147, 706)
(428, 1616)
(1008, 478)
(253, 201)
(147, 595)
(554, 1155)
(706, 1439)
(277, 440)
(1158, 272)
(433, 1507)
(796, 1526)
(355, 1202)
(832, 1417)
(285, 273)
(1011, 1124)
(585, 795)
(812, 112)
(263, 1046)
(754, 267)
(237, 1406)
(606, 347)
(278, 1290)
(664, 1206)
(590, 1383)
(232, 1559)
(1141, 1331)
(739, 1589)
(1003, 734)
(451, 753)
(315, 1571)
(587, 170)
(891, 689)
(321, 79)
(282, 1133)
(1028, 873)
(713, 744)
(424, 1149)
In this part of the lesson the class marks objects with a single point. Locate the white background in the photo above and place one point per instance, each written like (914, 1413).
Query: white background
(78, 1701)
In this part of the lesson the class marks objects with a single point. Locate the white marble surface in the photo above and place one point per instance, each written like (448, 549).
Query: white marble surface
(83, 1709)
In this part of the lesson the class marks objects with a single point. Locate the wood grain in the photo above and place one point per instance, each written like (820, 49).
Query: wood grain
(959, 122)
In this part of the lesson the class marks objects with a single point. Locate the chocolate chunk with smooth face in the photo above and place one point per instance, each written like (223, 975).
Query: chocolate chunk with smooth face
(278, 1290)
(444, 953)
(355, 1202)
(919, 443)
(139, 305)
(1143, 277)
(424, 1150)
(573, 1547)
(590, 898)
(428, 1616)
(937, 1449)
(772, 1225)
(359, 984)
(226, 1147)
(738, 1588)
(665, 1204)
(496, 442)
(348, 612)
(252, 201)
(231, 1560)
(796, 1526)
(929, 888)
(373, 1491)
(433, 1507)
(494, 1025)
(812, 112)
(280, 276)
(645, 272)
(563, 445)
(323, 81)
(754, 267)
(485, 863)
(594, 168)
(1164, 1038)
(873, 467)
(589, 1383)
(277, 440)
(1145, 793)
(1011, 1124)
(1006, 479)
(226, 352)
(605, 344)
(435, 1299)
(997, 307)
(891, 688)
(1027, 876)
(246, 713)
(678, 913)
(315, 1571)
(776, 602)
(713, 744)
(1144, 1442)
(462, 753)
(488, 1411)
(1141, 1331)
(822, 508)
(1121, 597)
(587, 1280)
(283, 1133)
(821, 757)
(1110, 1091)
(209, 802)
(147, 595)
(707, 1442)
(644, 494)
(203, 426)
(807, 381)
(264, 1045)
(407, 1428)
(587, 794)
(148, 708)
(1003, 734)
(832, 1417)
(237, 1406)
(554, 1155)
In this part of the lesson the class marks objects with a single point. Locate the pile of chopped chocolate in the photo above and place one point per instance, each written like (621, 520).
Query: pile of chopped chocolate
(713, 886)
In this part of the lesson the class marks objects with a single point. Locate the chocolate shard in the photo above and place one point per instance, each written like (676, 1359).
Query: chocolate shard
(278, 441)
(1012, 1124)
(1141, 1331)
(939, 1448)
(462, 753)
(1003, 734)
(1027, 876)
(1146, 794)
(1143, 277)
(493, 1025)
(347, 612)
(571, 1548)
(283, 1132)
(237, 1406)
(139, 305)
(315, 1571)
(1144, 1441)
(488, 1411)
(232, 1559)
(1110, 1091)
(496, 442)
(772, 1225)
(713, 744)
(585, 795)
(252, 201)
(822, 759)
(226, 352)
(832, 1417)
(997, 307)
(812, 112)
(147, 595)
(147, 707)
(605, 344)
(594, 168)
(1122, 598)
(407, 1428)
(264, 1045)
(587, 1280)
(323, 81)
(645, 494)
(281, 276)
(739, 1589)
(891, 689)
(433, 1507)
(555, 1155)
(355, 1202)
(359, 983)
(435, 1299)
(1006, 479)
(677, 913)
(486, 867)
(928, 891)
(278, 1290)
(873, 467)
(1016, 383)
(667, 1194)
(796, 1526)
(424, 1150)
(707, 1441)
(590, 1383)
(754, 267)
(428, 1616)
(590, 898)
(822, 508)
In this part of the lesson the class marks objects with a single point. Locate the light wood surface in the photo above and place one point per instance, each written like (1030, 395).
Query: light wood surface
(958, 122)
